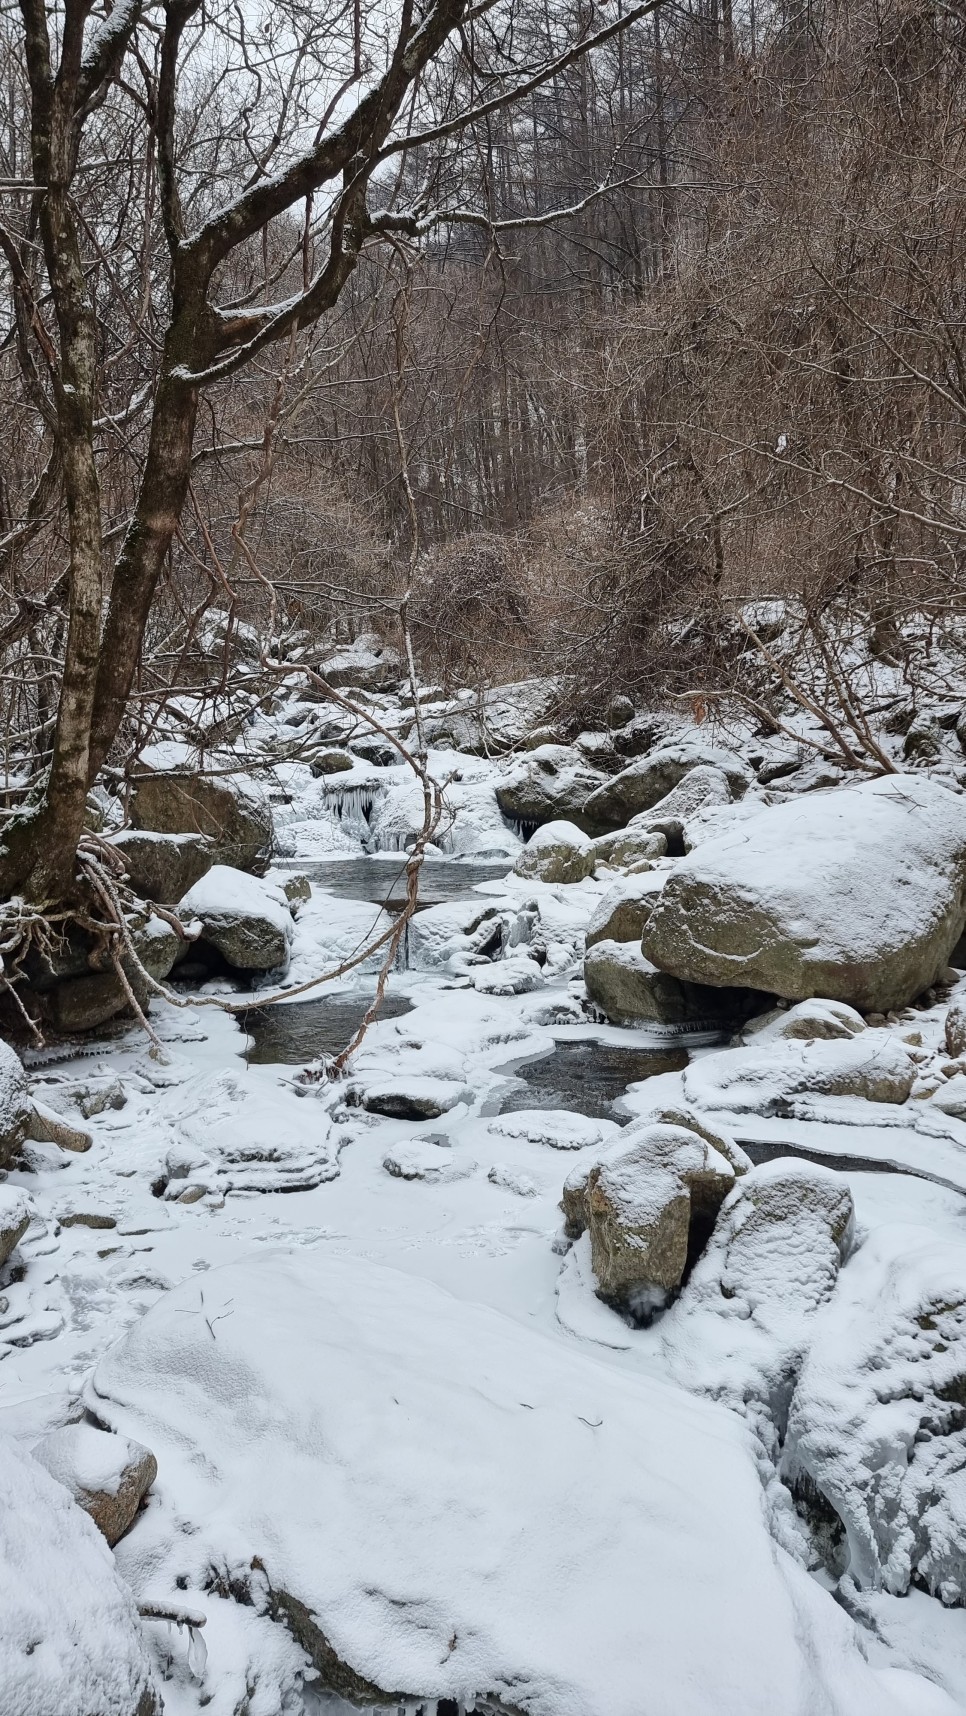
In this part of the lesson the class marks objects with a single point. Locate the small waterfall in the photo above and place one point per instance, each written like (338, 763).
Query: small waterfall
(352, 808)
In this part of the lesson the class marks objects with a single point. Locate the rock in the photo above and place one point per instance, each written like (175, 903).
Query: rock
(297, 891)
(703, 788)
(641, 786)
(877, 1427)
(510, 1179)
(163, 867)
(435, 1163)
(551, 784)
(84, 1003)
(623, 912)
(950, 1098)
(923, 742)
(956, 1027)
(368, 664)
(678, 1114)
(645, 1203)
(619, 711)
(14, 1105)
(234, 815)
(494, 721)
(438, 1496)
(70, 1639)
(48, 1126)
(778, 769)
(629, 846)
(556, 1128)
(768, 1079)
(858, 896)
(742, 1325)
(247, 920)
(629, 989)
(16, 1210)
(961, 730)
(643, 732)
(332, 763)
(108, 1476)
(556, 852)
(805, 1022)
(413, 1098)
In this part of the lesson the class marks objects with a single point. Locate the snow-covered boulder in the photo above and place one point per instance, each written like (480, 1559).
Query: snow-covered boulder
(249, 922)
(741, 1328)
(858, 896)
(367, 664)
(645, 1203)
(629, 989)
(108, 1476)
(550, 784)
(877, 1422)
(447, 1505)
(70, 1642)
(630, 846)
(163, 866)
(437, 1164)
(14, 1104)
(233, 812)
(625, 909)
(16, 1210)
(805, 1021)
(557, 852)
(644, 784)
(416, 1097)
(705, 787)
(765, 1079)
(556, 1128)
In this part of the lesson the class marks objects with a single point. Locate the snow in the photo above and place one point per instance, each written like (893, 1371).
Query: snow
(69, 1636)
(227, 893)
(386, 1408)
(465, 1507)
(80, 1456)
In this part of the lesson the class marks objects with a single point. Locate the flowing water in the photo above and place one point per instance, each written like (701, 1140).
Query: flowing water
(293, 1033)
(382, 881)
(588, 1077)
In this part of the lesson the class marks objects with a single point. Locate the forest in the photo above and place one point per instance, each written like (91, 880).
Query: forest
(482, 857)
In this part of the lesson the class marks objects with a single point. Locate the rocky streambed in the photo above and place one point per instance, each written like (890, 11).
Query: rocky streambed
(609, 1313)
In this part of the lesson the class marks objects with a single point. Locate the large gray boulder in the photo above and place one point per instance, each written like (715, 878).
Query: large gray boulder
(70, 1640)
(234, 815)
(557, 852)
(162, 867)
(624, 910)
(551, 784)
(16, 1210)
(858, 896)
(644, 784)
(247, 921)
(14, 1104)
(83, 1003)
(630, 990)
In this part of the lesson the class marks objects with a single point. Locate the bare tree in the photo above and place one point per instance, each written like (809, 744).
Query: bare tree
(271, 159)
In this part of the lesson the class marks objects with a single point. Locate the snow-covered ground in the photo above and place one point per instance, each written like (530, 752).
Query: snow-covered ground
(393, 1421)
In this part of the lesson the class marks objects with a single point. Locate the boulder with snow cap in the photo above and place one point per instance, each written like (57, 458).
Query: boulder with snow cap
(877, 1426)
(772, 1077)
(70, 1640)
(703, 788)
(108, 1476)
(806, 1021)
(248, 921)
(14, 1104)
(742, 1325)
(16, 1210)
(625, 909)
(630, 845)
(550, 784)
(232, 813)
(955, 1029)
(858, 896)
(647, 1203)
(163, 867)
(644, 784)
(557, 852)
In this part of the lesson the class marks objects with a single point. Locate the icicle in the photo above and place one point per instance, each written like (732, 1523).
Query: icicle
(197, 1653)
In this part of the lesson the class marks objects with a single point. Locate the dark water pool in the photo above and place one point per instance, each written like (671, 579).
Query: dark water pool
(588, 1077)
(299, 1031)
(382, 881)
